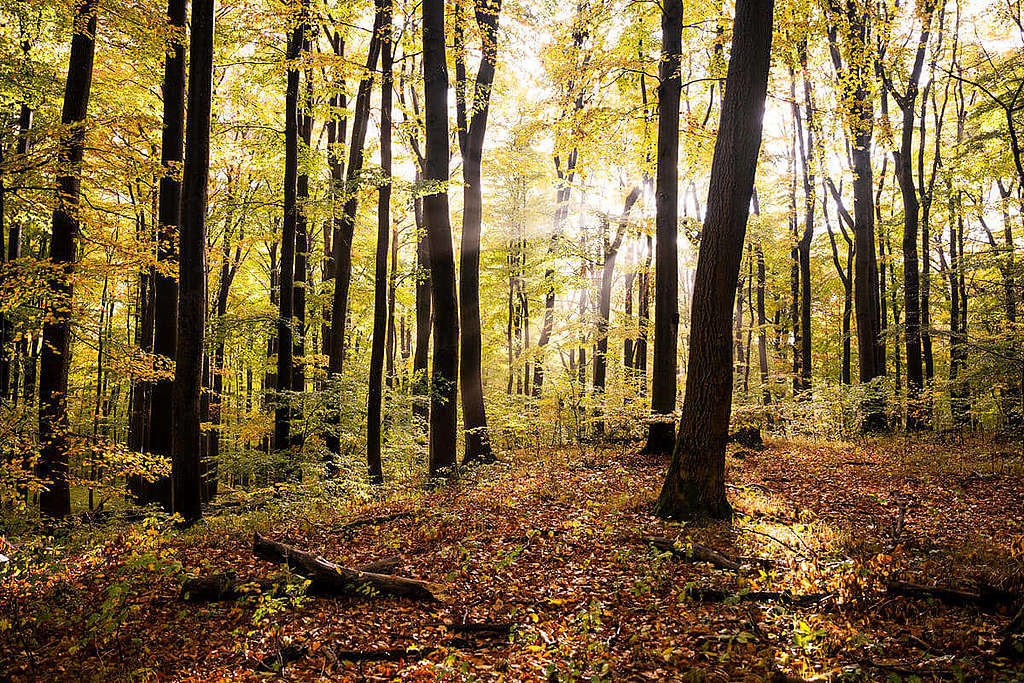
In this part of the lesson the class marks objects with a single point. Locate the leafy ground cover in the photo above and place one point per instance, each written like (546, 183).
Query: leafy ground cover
(555, 544)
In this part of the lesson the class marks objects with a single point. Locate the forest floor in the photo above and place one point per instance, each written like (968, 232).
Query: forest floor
(553, 543)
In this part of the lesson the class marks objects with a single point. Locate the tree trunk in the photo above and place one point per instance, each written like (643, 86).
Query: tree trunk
(300, 273)
(860, 122)
(443, 386)
(286, 282)
(192, 268)
(903, 161)
(380, 282)
(165, 284)
(471, 139)
(762, 325)
(661, 432)
(52, 466)
(343, 236)
(695, 485)
(604, 304)
(188, 369)
(421, 355)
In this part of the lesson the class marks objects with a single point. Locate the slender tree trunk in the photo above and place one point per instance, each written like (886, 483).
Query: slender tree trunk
(443, 386)
(471, 141)
(643, 318)
(394, 337)
(286, 295)
(188, 369)
(695, 485)
(762, 332)
(860, 123)
(903, 158)
(661, 431)
(421, 355)
(604, 304)
(380, 289)
(807, 165)
(301, 271)
(9, 356)
(165, 284)
(52, 466)
(337, 129)
(343, 236)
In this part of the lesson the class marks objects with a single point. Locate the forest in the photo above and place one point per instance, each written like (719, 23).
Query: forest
(511, 340)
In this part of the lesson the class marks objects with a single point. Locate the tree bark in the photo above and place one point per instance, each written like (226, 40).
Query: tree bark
(444, 378)
(661, 432)
(604, 303)
(421, 355)
(55, 362)
(860, 123)
(343, 235)
(286, 281)
(188, 368)
(695, 485)
(332, 578)
(471, 142)
(165, 284)
(380, 281)
(903, 162)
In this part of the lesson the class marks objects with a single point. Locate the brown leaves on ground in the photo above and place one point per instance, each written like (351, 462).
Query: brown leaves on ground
(553, 545)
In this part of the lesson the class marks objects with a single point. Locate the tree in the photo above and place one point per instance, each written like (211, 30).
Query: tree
(286, 296)
(443, 387)
(188, 368)
(610, 250)
(56, 354)
(661, 433)
(852, 58)
(695, 485)
(165, 284)
(380, 289)
(344, 231)
(471, 131)
(904, 167)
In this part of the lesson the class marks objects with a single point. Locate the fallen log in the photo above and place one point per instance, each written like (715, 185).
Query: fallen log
(330, 578)
(700, 553)
(952, 596)
(227, 586)
(486, 629)
(784, 597)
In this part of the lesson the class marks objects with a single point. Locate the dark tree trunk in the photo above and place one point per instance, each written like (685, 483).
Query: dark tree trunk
(421, 355)
(695, 485)
(9, 357)
(286, 282)
(844, 274)
(301, 270)
(344, 233)
(661, 431)
(860, 117)
(471, 142)
(165, 284)
(52, 466)
(336, 133)
(643, 318)
(188, 369)
(380, 288)
(394, 337)
(762, 331)
(443, 385)
(903, 161)
(808, 163)
(604, 303)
